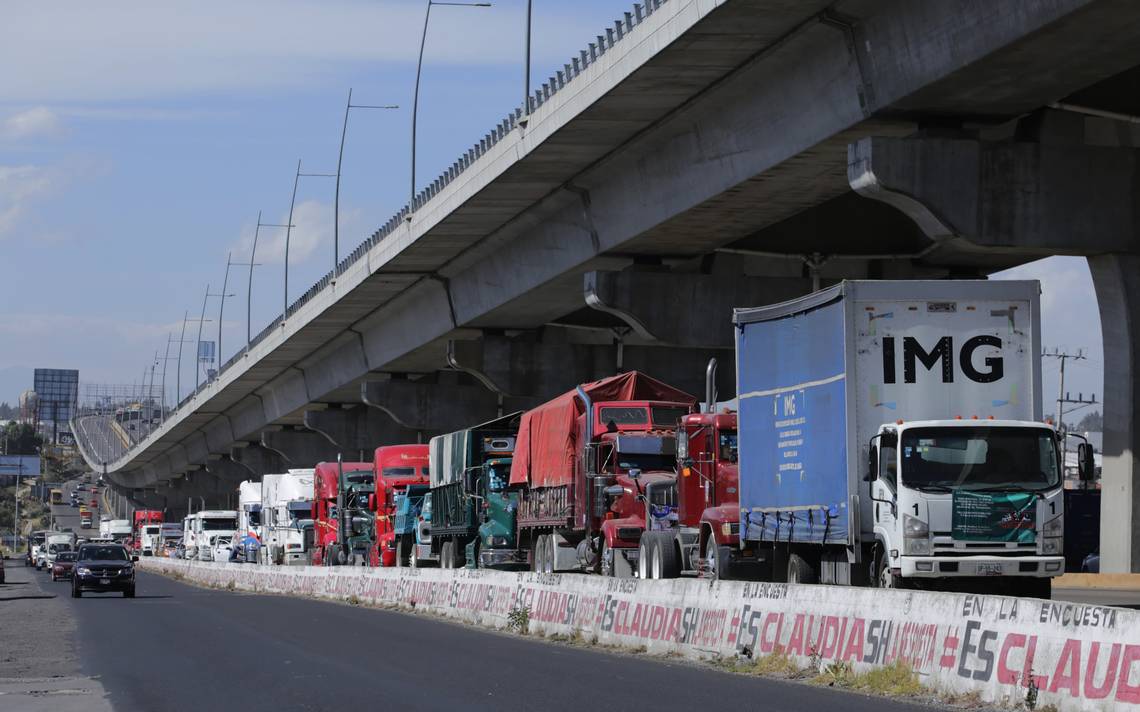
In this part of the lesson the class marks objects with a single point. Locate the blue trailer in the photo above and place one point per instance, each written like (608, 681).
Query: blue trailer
(890, 433)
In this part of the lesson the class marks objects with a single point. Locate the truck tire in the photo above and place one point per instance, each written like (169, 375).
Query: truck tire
(414, 560)
(645, 557)
(800, 571)
(399, 553)
(447, 555)
(665, 562)
(718, 560)
(536, 554)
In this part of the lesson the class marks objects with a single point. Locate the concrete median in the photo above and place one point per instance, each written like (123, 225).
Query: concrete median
(1007, 650)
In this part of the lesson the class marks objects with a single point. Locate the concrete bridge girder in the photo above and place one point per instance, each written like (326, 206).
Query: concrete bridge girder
(300, 448)
(1042, 198)
(357, 431)
(546, 369)
(1033, 197)
(684, 309)
(425, 409)
(257, 459)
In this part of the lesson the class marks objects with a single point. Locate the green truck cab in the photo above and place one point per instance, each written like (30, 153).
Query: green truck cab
(473, 511)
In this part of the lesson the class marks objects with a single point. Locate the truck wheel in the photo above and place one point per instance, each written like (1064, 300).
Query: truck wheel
(460, 556)
(799, 570)
(414, 560)
(665, 563)
(445, 555)
(881, 576)
(717, 558)
(548, 557)
(645, 557)
(399, 553)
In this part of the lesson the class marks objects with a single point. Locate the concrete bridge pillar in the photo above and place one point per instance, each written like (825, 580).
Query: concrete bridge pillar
(1117, 281)
(300, 448)
(359, 430)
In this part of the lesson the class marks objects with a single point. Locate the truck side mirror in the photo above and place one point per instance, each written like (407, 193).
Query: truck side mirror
(1086, 464)
(614, 491)
(872, 473)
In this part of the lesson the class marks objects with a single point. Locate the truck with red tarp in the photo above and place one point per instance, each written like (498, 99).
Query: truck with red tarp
(399, 470)
(593, 466)
(342, 520)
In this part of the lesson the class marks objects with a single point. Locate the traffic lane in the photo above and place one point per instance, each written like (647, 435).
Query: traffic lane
(39, 667)
(1120, 597)
(176, 647)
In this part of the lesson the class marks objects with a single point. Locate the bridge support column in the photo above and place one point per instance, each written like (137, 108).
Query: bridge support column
(359, 430)
(300, 448)
(1117, 281)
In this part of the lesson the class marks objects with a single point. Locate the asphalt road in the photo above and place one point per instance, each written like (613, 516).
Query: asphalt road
(176, 647)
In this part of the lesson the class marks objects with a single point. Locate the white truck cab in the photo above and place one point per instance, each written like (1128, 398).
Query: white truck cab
(968, 498)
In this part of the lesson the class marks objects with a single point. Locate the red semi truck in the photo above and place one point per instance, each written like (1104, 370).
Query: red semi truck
(593, 466)
(396, 468)
(141, 518)
(337, 486)
(704, 539)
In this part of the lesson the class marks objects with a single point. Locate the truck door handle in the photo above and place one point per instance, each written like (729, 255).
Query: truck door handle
(876, 511)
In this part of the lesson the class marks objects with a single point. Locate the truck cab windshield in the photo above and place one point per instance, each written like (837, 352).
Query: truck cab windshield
(645, 462)
(990, 458)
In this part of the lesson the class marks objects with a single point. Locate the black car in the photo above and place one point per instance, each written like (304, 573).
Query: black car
(103, 567)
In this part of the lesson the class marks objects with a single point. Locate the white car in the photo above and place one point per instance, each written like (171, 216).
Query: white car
(219, 549)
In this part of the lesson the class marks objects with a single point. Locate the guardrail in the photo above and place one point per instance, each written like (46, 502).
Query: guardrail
(1004, 650)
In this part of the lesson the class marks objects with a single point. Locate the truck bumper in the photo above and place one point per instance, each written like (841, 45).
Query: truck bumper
(502, 557)
(975, 566)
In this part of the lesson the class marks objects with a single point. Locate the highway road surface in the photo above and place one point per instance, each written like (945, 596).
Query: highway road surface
(177, 647)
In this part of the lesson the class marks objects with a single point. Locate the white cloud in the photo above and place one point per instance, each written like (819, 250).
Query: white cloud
(78, 51)
(312, 230)
(20, 186)
(34, 122)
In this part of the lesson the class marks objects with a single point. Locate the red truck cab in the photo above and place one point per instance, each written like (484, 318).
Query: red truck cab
(140, 518)
(326, 487)
(396, 467)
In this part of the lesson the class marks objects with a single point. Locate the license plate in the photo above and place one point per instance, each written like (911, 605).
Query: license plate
(104, 581)
(990, 570)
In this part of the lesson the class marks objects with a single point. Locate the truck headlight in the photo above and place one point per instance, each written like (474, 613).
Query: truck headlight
(916, 536)
(913, 527)
(1051, 545)
(1055, 527)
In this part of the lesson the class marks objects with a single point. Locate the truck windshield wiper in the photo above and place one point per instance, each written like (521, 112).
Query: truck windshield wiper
(932, 488)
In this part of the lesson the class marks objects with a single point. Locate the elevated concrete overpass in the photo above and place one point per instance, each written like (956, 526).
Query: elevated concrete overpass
(700, 155)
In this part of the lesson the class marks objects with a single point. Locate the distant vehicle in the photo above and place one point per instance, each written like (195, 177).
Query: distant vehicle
(1091, 564)
(104, 567)
(74, 503)
(56, 544)
(221, 545)
(170, 548)
(63, 566)
(56, 496)
(34, 542)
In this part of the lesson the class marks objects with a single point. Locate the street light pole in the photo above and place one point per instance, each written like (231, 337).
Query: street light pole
(339, 161)
(526, 80)
(178, 376)
(416, 94)
(198, 348)
(289, 228)
(222, 306)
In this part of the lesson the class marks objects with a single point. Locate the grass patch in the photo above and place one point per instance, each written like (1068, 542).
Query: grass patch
(354, 600)
(777, 664)
(518, 619)
(894, 680)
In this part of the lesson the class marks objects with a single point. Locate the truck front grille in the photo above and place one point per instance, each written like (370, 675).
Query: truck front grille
(945, 545)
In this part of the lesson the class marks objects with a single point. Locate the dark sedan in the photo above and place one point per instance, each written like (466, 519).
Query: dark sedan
(103, 567)
(63, 565)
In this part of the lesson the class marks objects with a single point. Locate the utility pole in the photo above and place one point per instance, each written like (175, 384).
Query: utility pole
(1063, 396)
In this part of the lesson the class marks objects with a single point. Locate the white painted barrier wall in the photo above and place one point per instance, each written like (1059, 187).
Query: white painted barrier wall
(1081, 657)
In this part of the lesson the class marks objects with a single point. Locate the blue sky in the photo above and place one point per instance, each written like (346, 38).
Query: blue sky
(138, 140)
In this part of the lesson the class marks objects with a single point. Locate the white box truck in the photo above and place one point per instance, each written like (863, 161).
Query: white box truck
(211, 525)
(286, 510)
(890, 433)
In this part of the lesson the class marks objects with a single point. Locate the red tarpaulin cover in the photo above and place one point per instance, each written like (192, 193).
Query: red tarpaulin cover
(548, 435)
